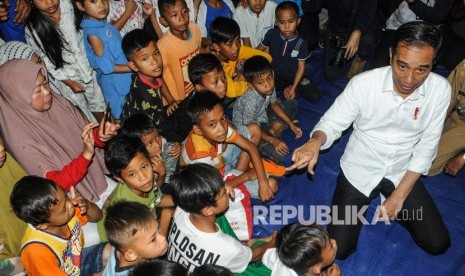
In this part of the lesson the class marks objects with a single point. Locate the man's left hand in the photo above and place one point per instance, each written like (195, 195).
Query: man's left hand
(390, 208)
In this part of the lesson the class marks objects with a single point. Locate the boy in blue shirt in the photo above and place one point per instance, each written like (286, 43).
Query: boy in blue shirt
(290, 53)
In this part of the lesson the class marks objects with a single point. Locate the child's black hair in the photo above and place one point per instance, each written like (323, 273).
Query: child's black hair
(201, 104)
(255, 67)
(32, 197)
(202, 64)
(47, 37)
(137, 125)
(223, 29)
(134, 41)
(196, 187)
(164, 4)
(124, 219)
(120, 151)
(159, 268)
(211, 270)
(299, 246)
(287, 5)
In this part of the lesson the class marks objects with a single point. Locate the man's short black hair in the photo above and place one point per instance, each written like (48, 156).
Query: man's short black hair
(255, 67)
(223, 29)
(120, 151)
(134, 41)
(418, 34)
(159, 268)
(32, 197)
(299, 246)
(165, 4)
(137, 125)
(201, 104)
(287, 5)
(196, 186)
(124, 219)
(211, 270)
(202, 64)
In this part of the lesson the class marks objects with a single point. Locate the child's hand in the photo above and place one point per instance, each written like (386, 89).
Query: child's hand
(289, 92)
(78, 201)
(333, 270)
(88, 140)
(4, 5)
(172, 107)
(75, 86)
(130, 6)
(297, 131)
(280, 146)
(107, 130)
(2, 153)
(251, 174)
(158, 165)
(175, 150)
(147, 9)
(264, 191)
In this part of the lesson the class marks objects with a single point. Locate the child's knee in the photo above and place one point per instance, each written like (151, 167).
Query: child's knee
(255, 133)
(273, 184)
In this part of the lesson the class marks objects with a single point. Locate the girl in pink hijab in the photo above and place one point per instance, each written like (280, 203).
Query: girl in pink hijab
(47, 135)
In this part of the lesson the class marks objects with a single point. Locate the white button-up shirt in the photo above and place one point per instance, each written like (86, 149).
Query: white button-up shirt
(253, 26)
(391, 135)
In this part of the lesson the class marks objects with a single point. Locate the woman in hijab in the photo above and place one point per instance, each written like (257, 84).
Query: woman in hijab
(19, 50)
(45, 133)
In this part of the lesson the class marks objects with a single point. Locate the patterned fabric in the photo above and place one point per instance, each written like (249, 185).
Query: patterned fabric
(144, 97)
(135, 21)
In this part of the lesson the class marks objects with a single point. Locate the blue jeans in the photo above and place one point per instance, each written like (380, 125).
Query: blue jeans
(92, 259)
(232, 152)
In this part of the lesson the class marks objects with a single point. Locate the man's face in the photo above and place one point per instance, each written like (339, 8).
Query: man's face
(411, 66)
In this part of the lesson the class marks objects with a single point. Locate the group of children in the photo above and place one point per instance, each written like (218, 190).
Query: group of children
(176, 144)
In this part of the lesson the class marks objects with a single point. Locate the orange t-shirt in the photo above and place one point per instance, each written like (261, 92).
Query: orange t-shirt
(176, 55)
(43, 253)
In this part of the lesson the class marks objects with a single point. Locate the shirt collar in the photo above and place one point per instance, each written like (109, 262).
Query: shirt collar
(156, 85)
(291, 39)
(388, 86)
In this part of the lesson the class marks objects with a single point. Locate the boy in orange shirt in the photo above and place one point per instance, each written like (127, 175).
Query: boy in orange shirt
(178, 46)
(53, 241)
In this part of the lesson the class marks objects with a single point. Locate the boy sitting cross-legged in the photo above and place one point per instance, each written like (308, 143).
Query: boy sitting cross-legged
(201, 195)
(132, 230)
(260, 105)
(211, 133)
(128, 161)
(53, 241)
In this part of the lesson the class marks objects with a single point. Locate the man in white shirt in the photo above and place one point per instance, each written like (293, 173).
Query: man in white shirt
(398, 114)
